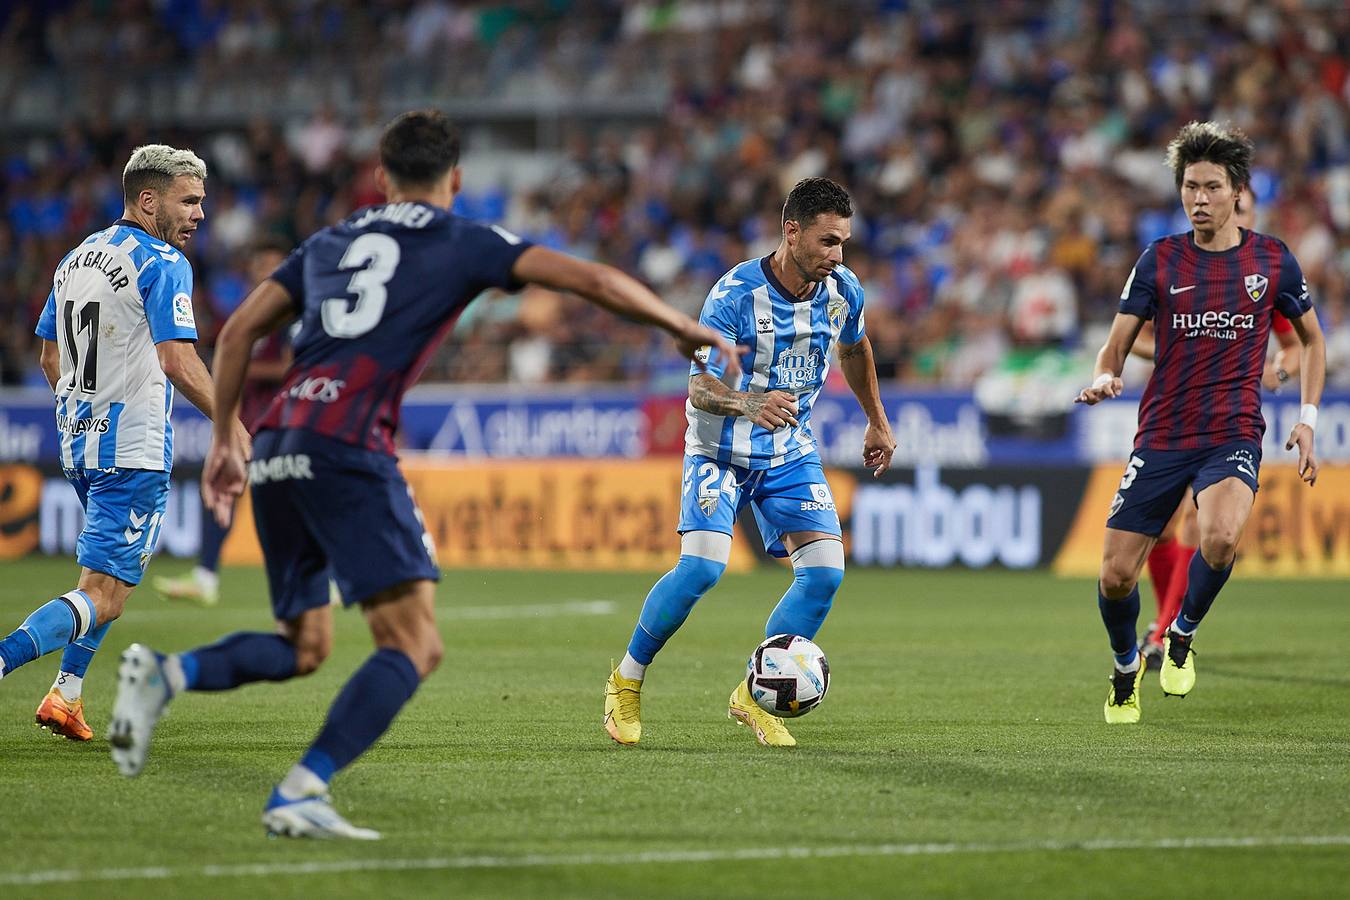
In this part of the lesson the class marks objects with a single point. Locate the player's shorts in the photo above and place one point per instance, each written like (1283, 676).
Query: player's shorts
(1156, 480)
(123, 515)
(325, 508)
(791, 497)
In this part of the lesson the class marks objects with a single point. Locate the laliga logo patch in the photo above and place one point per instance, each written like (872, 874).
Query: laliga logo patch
(1256, 286)
(182, 311)
(1116, 504)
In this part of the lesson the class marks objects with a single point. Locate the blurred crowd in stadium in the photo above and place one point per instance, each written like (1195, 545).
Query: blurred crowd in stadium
(1005, 157)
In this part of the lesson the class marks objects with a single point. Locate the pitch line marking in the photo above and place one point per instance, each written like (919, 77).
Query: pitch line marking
(750, 854)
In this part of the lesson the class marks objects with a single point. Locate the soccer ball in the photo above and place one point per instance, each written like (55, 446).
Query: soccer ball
(788, 675)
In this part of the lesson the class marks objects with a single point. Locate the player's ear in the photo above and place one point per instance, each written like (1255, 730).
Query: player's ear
(454, 180)
(382, 180)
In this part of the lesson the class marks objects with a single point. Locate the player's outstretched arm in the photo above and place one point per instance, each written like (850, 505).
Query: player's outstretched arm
(1106, 381)
(1313, 368)
(860, 372)
(623, 295)
(770, 409)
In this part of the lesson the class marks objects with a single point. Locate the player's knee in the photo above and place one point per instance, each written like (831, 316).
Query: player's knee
(821, 581)
(1220, 549)
(1116, 580)
(699, 574)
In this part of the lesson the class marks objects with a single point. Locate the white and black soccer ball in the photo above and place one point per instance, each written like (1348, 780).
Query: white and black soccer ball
(788, 675)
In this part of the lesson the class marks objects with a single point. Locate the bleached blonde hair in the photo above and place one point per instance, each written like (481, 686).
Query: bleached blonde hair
(156, 166)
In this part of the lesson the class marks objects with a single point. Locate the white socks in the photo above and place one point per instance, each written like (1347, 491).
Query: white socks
(632, 669)
(173, 674)
(69, 686)
(301, 782)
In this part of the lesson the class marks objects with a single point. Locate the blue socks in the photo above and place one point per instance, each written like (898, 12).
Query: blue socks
(49, 627)
(241, 658)
(669, 602)
(1121, 618)
(807, 602)
(77, 656)
(213, 538)
(1202, 586)
(362, 711)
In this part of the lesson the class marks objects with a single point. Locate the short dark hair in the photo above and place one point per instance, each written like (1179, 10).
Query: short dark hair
(1225, 145)
(271, 243)
(811, 197)
(418, 147)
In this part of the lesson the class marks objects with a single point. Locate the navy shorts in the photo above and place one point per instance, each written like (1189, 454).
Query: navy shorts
(1156, 480)
(325, 508)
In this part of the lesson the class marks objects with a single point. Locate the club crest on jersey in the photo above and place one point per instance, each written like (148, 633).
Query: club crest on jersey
(708, 500)
(837, 310)
(1256, 286)
(797, 369)
(1116, 503)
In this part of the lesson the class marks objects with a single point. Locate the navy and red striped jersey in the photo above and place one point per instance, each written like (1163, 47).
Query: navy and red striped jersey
(375, 295)
(1212, 317)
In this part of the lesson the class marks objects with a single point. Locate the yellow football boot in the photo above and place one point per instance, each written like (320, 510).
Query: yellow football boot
(1177, 676)
(62, 717)
(623, 701)
(191, 587)
(1122, 701)
(769, 729)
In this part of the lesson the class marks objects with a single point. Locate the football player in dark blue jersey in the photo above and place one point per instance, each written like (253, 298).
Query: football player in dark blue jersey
(375, 295)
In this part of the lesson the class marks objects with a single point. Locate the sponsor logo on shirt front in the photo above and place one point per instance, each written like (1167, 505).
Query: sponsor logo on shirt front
(1220, 323)
(797, 369)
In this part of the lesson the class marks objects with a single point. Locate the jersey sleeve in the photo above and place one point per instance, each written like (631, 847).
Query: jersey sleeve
(721, 313)
(291, 275)
(855, 328)
(46, 326)
(494, 252)
(1140, 295)
(167, 290)
(1292, 299)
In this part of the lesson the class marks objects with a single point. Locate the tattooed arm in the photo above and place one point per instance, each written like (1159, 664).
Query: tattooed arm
(771, 410)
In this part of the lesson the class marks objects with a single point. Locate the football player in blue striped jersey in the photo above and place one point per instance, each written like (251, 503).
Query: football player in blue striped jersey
(749, 442)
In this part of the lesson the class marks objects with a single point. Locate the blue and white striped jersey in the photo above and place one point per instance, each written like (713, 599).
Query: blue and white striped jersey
(113, 298)
(792, 341)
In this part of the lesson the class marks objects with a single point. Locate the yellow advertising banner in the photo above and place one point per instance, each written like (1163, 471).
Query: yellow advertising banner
(1294, 530)
(612, 514)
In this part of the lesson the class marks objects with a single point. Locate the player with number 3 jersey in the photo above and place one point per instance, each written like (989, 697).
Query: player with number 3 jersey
(374, 296)
(1210, 293)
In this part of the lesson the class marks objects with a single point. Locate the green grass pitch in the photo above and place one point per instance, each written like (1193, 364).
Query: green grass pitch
(961, 753)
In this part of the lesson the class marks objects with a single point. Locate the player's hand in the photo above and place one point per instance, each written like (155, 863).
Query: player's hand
(224, 475)
(1302, 437)
(701, 344)
(771, 410)
(878, 447)
(1103, 388)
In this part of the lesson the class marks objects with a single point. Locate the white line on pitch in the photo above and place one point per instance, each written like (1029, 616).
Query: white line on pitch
(529, 610)
(749, 854)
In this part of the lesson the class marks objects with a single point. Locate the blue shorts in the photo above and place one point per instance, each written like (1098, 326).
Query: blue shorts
(1156, 480)
(791, 497)
(325, 508)
(123, 515)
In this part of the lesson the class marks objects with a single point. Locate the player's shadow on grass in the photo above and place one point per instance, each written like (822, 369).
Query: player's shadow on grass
(1249, 669)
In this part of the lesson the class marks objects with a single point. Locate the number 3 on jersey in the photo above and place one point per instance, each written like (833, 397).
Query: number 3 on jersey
(382, 252)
